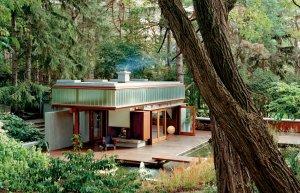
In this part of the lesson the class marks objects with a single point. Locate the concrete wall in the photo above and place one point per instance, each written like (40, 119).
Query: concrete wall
(58, 129)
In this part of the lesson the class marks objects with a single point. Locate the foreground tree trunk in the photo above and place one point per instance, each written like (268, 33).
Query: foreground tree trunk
(246, 131)
(232, 176)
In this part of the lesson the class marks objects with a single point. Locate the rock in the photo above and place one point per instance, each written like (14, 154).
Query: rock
(1, 125)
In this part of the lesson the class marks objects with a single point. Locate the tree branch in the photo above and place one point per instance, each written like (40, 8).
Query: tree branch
(165, 36)
(180, 52)
(296, 3)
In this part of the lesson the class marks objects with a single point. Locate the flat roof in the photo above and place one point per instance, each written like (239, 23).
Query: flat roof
(114, 84)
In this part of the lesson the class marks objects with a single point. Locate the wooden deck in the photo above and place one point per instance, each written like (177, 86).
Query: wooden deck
(174, 146)
(285, 138)
(176, 158)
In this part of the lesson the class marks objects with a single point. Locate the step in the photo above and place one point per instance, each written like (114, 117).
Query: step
(176, 158)
(130, 143)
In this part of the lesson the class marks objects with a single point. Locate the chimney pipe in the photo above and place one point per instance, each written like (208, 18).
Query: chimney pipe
(123, 76)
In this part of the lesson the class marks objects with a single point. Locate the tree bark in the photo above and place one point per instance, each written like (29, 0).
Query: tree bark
(232, 176)
(246, 130)
(168, 48)
(14, 63)
(179, 65)
(28, 59)
(227, 161)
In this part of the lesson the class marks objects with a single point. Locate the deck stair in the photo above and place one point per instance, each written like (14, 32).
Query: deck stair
(176, 158)
(130, 143)
(39, 124)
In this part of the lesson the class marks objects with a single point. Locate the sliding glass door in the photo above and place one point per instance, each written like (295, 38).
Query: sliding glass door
(158, 126)
(187, 120)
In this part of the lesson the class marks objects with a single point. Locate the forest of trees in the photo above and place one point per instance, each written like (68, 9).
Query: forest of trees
(42, 41)
(239, 60)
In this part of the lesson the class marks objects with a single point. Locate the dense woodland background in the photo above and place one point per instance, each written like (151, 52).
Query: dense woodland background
(43, 40)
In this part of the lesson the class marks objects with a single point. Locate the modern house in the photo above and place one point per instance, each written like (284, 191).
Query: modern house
(133, 110)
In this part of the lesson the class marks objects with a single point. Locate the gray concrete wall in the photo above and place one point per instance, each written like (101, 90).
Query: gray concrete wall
(58, 129)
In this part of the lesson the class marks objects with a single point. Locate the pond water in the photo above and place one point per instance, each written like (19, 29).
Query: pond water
(203, 150)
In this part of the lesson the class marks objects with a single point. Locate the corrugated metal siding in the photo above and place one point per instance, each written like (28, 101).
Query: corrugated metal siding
(116, 98)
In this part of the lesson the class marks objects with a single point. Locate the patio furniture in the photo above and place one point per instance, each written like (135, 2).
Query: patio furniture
(108, 142)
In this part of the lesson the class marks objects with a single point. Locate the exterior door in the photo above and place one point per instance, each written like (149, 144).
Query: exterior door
(98, 125)
(158, 126)
(187, 120)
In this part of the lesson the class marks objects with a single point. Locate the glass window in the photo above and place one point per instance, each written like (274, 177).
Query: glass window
(186, 120)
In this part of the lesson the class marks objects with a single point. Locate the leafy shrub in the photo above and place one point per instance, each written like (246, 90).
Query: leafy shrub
(285, 100)
(28, 170)
(18, 129)
(259, 83)
(291, 157)
(25, 95)
(19, 165)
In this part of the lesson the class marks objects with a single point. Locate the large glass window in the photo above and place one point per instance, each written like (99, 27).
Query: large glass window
(158, 125)
(162, 123)
(154, 125)
(116, 98)
(187, 117)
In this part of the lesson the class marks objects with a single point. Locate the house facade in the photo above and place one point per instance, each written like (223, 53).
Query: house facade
(132, 110)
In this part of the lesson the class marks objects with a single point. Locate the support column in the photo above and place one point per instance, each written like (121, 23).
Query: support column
(76, 122)
(91, 126)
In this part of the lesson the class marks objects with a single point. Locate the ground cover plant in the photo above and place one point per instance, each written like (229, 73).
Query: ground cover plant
(20, 130)
(30, 170)
(200, 176)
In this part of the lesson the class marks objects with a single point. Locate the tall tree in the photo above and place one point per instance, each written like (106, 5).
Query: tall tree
(179, 65)
(15, 65)
(232, 176)
(246, 130)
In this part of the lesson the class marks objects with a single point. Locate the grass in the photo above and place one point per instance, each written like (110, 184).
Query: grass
(195, 177)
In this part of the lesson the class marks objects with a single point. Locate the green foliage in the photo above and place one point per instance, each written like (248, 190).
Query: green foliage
(259, 83)
(24, 95)
(182, 179)
(28, 170)
(112, 53)
(18, 129)
(292, 158)
(18, 165)
(285, 100)
(254, 25)
(158, 72)
(259, 21)
(77, 142)
(272, 96)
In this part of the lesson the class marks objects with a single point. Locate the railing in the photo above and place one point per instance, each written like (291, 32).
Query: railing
(284, 125)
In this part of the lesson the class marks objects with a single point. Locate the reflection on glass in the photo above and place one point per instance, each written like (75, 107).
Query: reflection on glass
(162, 123)
(98, 117)
(186, 120)
(154, 125)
